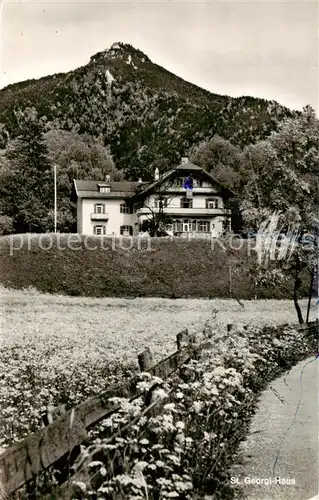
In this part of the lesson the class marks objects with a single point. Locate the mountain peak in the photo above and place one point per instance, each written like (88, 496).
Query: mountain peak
(124, 51)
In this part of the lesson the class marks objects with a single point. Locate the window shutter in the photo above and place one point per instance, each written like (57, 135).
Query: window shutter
(104, 228)
(95, 208)
(121, 229)
(208, 226)
(131, 230)
(103, 210)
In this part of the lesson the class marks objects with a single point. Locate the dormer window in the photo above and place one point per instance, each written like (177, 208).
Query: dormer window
(104, 188)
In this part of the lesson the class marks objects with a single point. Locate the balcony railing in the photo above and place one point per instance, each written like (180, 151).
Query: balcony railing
(195, 190)
(186, 212)
(193, 234)
(99, 216)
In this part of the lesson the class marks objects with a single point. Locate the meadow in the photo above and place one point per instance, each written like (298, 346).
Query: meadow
(60, 350)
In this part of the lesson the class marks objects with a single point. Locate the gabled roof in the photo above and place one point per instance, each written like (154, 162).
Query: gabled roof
(90, 189)
(129, 189)
(121, 186)
(189, 168)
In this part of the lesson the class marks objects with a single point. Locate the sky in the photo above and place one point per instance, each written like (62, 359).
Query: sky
(265, 49)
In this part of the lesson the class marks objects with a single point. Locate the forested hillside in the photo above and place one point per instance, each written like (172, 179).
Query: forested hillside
(146, 115)
(123, 115)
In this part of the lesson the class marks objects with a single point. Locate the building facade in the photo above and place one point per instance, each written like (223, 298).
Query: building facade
(190, 199)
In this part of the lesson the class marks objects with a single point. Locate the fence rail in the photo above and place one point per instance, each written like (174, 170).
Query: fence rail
(40, 450)
(24, 461)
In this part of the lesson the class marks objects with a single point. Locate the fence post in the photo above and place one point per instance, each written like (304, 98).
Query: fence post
(53, 413)
(192, 338)
(180, 337)
(145, 360)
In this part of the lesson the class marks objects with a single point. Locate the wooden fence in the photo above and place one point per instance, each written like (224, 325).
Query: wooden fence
(24, 461)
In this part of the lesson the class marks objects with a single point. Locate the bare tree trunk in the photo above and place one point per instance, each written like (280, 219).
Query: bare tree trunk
(296, 289)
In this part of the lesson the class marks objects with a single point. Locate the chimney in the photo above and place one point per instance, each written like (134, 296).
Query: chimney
(156, 174)
(185, 159)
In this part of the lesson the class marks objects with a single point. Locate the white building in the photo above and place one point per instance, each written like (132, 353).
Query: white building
(120, 208)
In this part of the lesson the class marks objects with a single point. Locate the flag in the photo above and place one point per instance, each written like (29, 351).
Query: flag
(188, 183)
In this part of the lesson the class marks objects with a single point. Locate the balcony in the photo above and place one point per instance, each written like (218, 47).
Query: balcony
(187, 212)
(195, 190)
(99, 216)
(205, 235)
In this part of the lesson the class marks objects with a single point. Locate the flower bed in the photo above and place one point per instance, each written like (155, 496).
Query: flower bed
(186, 450)
(61, 350)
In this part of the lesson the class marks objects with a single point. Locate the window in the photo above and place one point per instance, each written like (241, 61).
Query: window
(104, 189)
(99, 230)
(125, 209)
(126, 230)
(186, 203)
(197, 183)
(203, 226)
(186, 226)
(191, 225)
(99, 208)
(179, 182)
(158, 201)
(212, 203)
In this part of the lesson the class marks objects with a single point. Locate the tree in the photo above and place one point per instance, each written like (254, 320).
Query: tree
(6, 225)
(283, 182)
(80, 156)
(26, 176)
(26, 173)
(156, 218)
(77, 156)
(222, 159)
(225, 162)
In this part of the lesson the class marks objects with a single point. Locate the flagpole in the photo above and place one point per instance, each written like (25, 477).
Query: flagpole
(55, 200)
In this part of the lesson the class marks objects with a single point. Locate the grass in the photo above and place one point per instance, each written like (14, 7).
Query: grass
(60, 350)
(69, 264)
(189, 444)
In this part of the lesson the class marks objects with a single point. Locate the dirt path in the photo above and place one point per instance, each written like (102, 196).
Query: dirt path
(278, 428)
